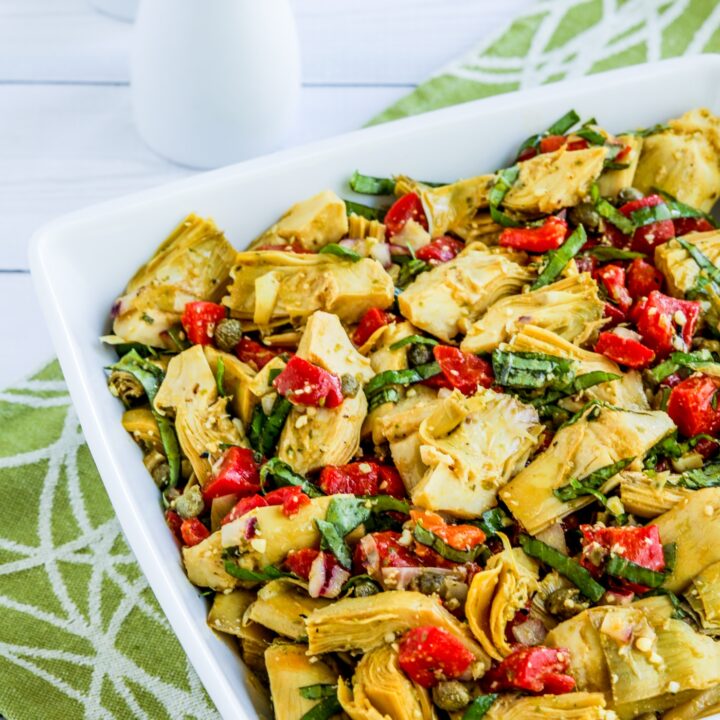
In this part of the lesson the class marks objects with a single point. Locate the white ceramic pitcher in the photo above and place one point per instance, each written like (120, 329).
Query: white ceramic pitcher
(215, 81)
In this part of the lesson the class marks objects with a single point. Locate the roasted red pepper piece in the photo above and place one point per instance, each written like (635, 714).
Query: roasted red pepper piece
(174, 522)
(549, 236)
(666, 323)
(463, 371)
(199, 320)
(551, 143)
(254, 354)
(380, 550)
(291, 498)
(371, 322)
(299, 561)
(237, 474)
(408, 207)
(303, 383)
(624, 350)
(685, 226)
(642, 279)
(440, 250)
(430, 654)
(640, 545)
(366, 477)
(578, 145)
(612, 278)
(535, 669)
(193, 531)
(244, 506)
(648, 237)
(460, 537)
(691, 405)
(615, 314)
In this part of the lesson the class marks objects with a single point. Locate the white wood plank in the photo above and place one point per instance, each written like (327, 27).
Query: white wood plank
(354, 41)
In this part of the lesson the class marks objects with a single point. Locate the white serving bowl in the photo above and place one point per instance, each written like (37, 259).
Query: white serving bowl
(81, 262)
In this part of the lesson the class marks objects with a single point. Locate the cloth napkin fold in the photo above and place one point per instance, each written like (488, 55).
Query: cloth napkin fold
(81, 635)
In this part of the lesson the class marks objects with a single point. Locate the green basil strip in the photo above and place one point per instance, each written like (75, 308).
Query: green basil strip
(283, 475)
(479, 707)
(678, 611)
(386, 503)
(144, 351)
(257, 424)
(341, 252)
(431, 540)
(701, 260)
(220, 376)
(150, 377)
(677, 360)
(557, 260)
(608, 211)
(177, 335)
(273, 425)
(323, 710)
(505, 180)
(567, 567)
(370, 213)
(503, 219)
(401, 377)
(532, 370)
(605, 252)
(681, 210)
(494, 521)
(267, 573)
(647, 132)
(332, 540)
(413, 340)
(592, 136)
(594, 481)
(704, 477)
(409, 270)
(610, 165)
(318, 692)
(369, 185)
(346, 513)
(559, 127)
(386, 395)
(649, 215)
(619, 567)
(590, 411)
(670, 555)
(596, 377)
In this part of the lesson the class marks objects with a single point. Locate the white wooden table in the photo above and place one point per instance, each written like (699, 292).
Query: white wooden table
(67, 140)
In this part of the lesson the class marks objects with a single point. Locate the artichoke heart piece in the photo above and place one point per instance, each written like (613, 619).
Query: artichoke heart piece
(304, 283)
(381, 690)
(571, 706)
(496, 594)
(313, 223)
(626, 392)
(282, 607)
(703, 705)
(680, 270)
(555, 180)
(576, 451)
(366, 623)
(694, 526)
(192, 264)
(611, 182)
(237, 381)
(391, 422)
(228, 609)
(141, 424)
(571, 308)
(704, 597)
(472, 447)
(647, 496)
(205, 565)
(289, 669)
(444, 300)
(265, 535)
(449, 206)
(684, 160)
(201, 420)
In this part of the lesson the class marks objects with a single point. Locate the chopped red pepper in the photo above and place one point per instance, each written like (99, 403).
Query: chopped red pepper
(440, 250)
(551, 143)
(624, 350)
(463, 371)
(615, 315)
(666, 323)
(430, 654)
(460, 537)
(613, 279)
(254, 354)
(623, 154)
(549, 236)
(408, 207)
(578, 145)
(648, 237)
(535, 669)
(237, 474)
(380, 550)
(639, 545)
(303, 383)
(690, 405)
(193, 531)
(366, 477)
(642, 278)
(174, 522)
(291, 497)
(199, 320)
(685, 226)
(244, 506)
(299, 561)
(371, 322)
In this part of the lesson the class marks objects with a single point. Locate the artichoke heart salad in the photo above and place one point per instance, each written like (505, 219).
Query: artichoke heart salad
(453, 452)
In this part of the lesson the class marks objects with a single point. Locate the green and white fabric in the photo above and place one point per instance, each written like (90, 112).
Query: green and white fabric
(81, 635)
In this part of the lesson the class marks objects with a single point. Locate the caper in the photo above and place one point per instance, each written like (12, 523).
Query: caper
(429, 583)
(628, 194)
(419, 354)
(566, 603)
(190, 504)
(228, 333)
(585, 214)
(365, 588)
(349, 385)
(451, 695)
(123, 385)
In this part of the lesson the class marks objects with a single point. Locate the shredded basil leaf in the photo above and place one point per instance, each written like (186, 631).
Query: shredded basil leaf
(369, 185)
(532, 370)
(220, 376)
(479, 707)
(270, 572)
(701, 260)
(649, 215)
(608, 211)
(494, 521)
(370, 213)
(409, 269)
(694, 360)
(318, 692)
(283, 475)
(413, 340)
(431, 540)
(341, 252)
(567, 567)
(332, 540)
(401, 377)
(704, 477)
(619, 567)
(324, 710)
(558, 259)
(386, 395)
(594, 481)
(647, 132)
(559, 127)
(592, 136)
(606, 252)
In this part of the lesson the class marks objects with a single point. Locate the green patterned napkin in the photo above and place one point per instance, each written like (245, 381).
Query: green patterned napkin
(81, 635)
